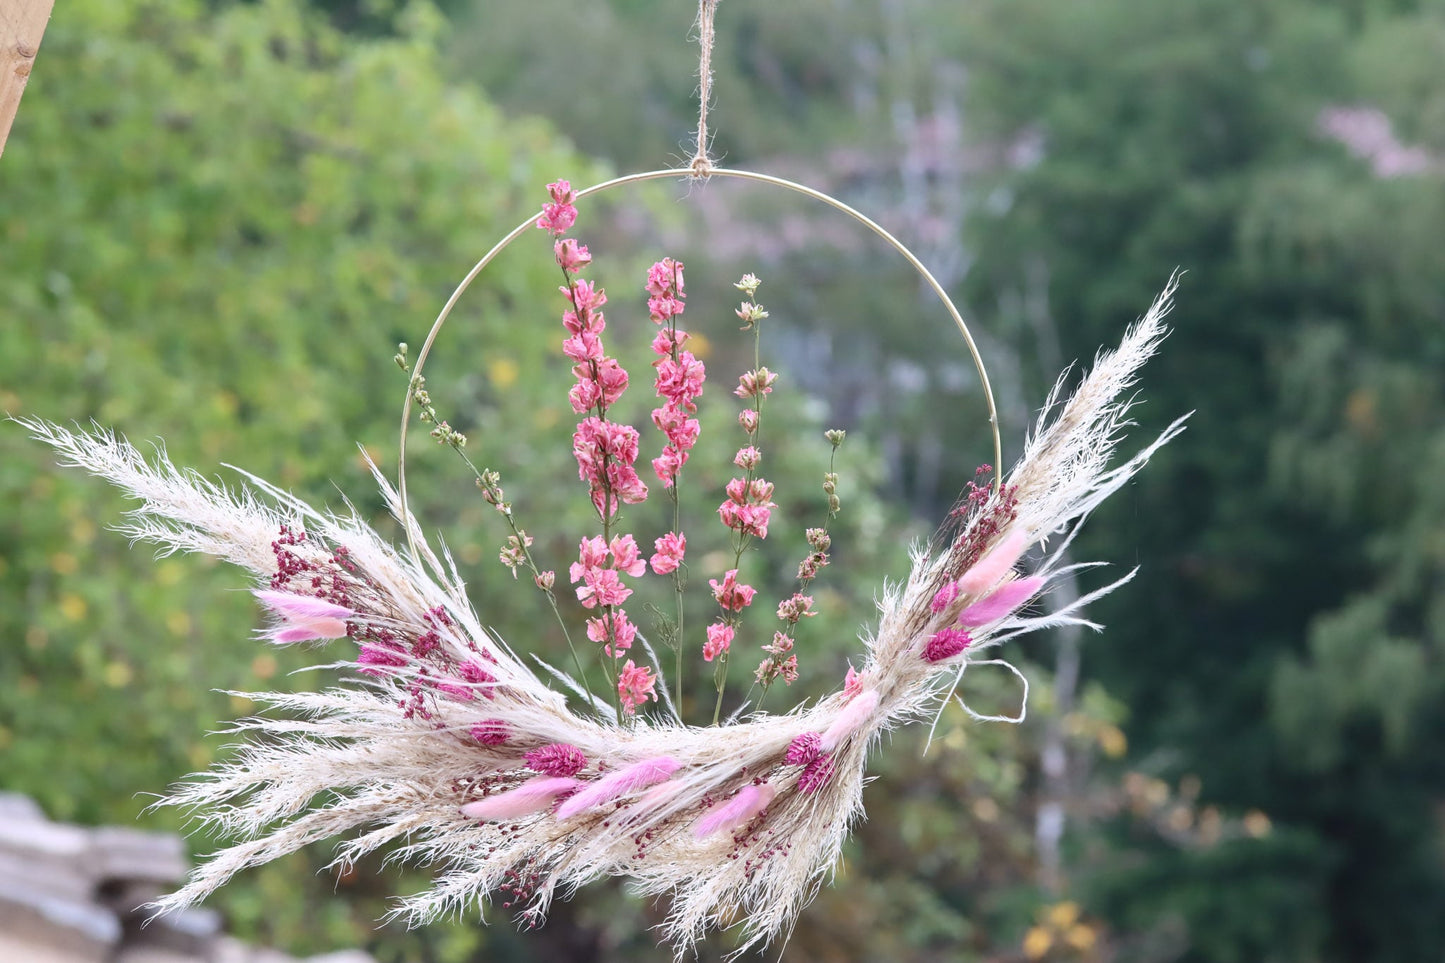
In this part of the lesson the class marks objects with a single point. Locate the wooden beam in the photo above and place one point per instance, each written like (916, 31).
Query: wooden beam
(22, 24)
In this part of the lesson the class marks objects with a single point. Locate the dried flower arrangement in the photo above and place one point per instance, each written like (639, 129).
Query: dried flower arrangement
(450, 744)
(447, 746)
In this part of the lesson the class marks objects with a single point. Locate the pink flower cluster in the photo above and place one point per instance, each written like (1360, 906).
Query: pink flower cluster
(782, 661)
(749, 504)
(670, 550)
(634, 686)
(680, 375)
(605, 450)
(719, 640)
(730, 593)
(602, 585)
(558, 216)
(731, 596)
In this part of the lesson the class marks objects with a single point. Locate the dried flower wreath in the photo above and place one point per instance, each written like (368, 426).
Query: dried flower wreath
(449, 746)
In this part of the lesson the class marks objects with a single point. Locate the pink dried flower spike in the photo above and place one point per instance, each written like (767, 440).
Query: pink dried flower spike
(556, 759)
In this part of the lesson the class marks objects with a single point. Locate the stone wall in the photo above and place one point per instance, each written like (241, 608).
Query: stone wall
(70, 894)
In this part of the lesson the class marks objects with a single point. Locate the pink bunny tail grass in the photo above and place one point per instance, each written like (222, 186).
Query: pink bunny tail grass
(749, 801)
(637, 776)
(530, 796)
(1008, 597)
(849, 719)
(987, 571)
(306, 618)
(309, 631)
(301, 608)
(657, 797)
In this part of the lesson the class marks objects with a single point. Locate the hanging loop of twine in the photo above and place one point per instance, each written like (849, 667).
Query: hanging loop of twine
(701, 165)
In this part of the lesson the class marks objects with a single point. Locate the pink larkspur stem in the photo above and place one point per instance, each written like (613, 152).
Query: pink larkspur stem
(848, 721)
(1000, 560)
(1006, 599)
(637, 776)
(306, 617)
(749, 801)
(529, 797)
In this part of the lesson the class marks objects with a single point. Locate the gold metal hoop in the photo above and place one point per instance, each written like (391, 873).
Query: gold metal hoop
(687, 174)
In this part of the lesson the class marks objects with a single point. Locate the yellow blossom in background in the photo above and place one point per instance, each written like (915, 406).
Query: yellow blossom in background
(263, 666)
(503, 373)
(1062, 915)
(1081, 937)
(1037, 942)
(1257, 824)
(73, 607)
(118, 674)
(1113, 742)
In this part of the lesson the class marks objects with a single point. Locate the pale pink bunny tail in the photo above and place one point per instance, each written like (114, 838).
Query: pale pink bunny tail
(848, 721)
(637, 776)
(749, 801)
(1008, 597)
(987, 571)
(530, 796)
(301, 607)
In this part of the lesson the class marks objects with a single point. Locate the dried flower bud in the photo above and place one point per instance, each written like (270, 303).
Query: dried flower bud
(819, 539)
(401, 359)
(490, 482)
(782, 644)
(835, 436)
(748, 418)
(754, 384)
(556, 759)
(748, 284)
(514, 553)
(945, 644)
(795, 608)
(750, 313)
(748, 458)
(545, 580)
(834, 505)
(817, 774)
(803, 749)
(491, 732)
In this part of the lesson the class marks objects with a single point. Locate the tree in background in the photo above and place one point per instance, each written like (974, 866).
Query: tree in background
(1282, 647)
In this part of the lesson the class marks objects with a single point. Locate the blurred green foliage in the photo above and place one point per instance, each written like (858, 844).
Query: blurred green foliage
(216, 220)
